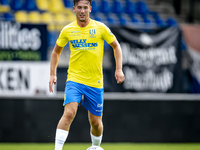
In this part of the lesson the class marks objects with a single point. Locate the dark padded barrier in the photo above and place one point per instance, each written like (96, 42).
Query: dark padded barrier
(124, 121)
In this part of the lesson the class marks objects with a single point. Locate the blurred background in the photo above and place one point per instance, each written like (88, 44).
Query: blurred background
(159, 100)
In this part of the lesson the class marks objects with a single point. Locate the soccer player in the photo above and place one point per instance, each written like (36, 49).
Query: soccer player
(85, 78)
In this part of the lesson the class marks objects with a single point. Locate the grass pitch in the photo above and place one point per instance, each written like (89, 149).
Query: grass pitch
(106, 146)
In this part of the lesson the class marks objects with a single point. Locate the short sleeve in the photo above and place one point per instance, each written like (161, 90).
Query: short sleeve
(62, 39)
(108, 36)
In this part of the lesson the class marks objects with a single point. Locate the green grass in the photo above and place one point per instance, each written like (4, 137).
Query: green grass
(106, 146)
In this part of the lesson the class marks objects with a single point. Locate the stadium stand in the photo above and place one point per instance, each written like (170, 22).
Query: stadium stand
(68, 3)
(105, 7)
(21, 16)
(30, 5)
(117, 7)
(129, 7)
(56, 6)
(34, 17)
(123, 12)
(4, 6)
(8, 16)
(61, 20)
(57, 13)
(43, 5)
(95, 7)
(141, 7)
(16, 5)
(48, 18)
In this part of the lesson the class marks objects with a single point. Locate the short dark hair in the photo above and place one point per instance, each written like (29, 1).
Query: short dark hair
(76, 1)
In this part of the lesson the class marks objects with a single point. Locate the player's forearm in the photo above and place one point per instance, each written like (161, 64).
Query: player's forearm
(55, 56)
(54, 62)
(118, 57)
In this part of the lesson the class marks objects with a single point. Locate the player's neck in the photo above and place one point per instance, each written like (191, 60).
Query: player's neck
(83, 24)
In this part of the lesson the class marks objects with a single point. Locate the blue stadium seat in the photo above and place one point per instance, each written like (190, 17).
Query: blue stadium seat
(16, 5)
(155, 15)
(95, 8)
(141, 7)
(110, 20)
(117, 7)
(146, 19)
(4, 2)
(130, 7)
(30, 5)
(160, 22)
(97, 18)
(171, 22)
(122, 21)
(105, 8)
(52, 37)
(8, 16)
(68, 3)
(134, 19)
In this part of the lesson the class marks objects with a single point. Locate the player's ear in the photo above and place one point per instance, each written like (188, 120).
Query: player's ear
(74, 8)
(90, 8)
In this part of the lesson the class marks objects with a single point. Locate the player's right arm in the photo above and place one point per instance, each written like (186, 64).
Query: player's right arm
(55, 56)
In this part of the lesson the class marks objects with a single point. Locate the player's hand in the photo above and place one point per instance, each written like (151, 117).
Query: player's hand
(52, 80)
(119, 75)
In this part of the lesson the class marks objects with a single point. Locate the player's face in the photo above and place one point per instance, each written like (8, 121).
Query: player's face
(82, 10)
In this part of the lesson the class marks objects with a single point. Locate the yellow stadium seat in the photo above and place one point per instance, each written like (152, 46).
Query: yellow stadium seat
(60, 17)
(61, 20)
(70, 15)
(34, 17)
(48, 18)
(4, 8)
(56, 6)
(43, 4)
(21, 16)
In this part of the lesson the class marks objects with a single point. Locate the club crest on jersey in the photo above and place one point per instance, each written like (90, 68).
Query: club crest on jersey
(92, 33)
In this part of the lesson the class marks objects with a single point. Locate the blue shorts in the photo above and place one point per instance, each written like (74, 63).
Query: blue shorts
(92, 97)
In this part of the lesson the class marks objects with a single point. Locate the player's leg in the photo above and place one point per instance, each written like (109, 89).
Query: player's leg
(93, 102)
(68, 116)
(71, 102)
(64, 124)
(96, 128)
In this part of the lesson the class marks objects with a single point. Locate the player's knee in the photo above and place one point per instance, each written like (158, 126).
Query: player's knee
(95, 123)
(69, 115)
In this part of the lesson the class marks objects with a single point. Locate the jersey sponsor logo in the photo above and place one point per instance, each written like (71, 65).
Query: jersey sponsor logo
(100, 105)
(81, 43)
(74, 35)
(75, 32)
(92, 33)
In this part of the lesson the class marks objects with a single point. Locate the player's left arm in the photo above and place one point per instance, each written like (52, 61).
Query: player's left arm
(119, 75)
